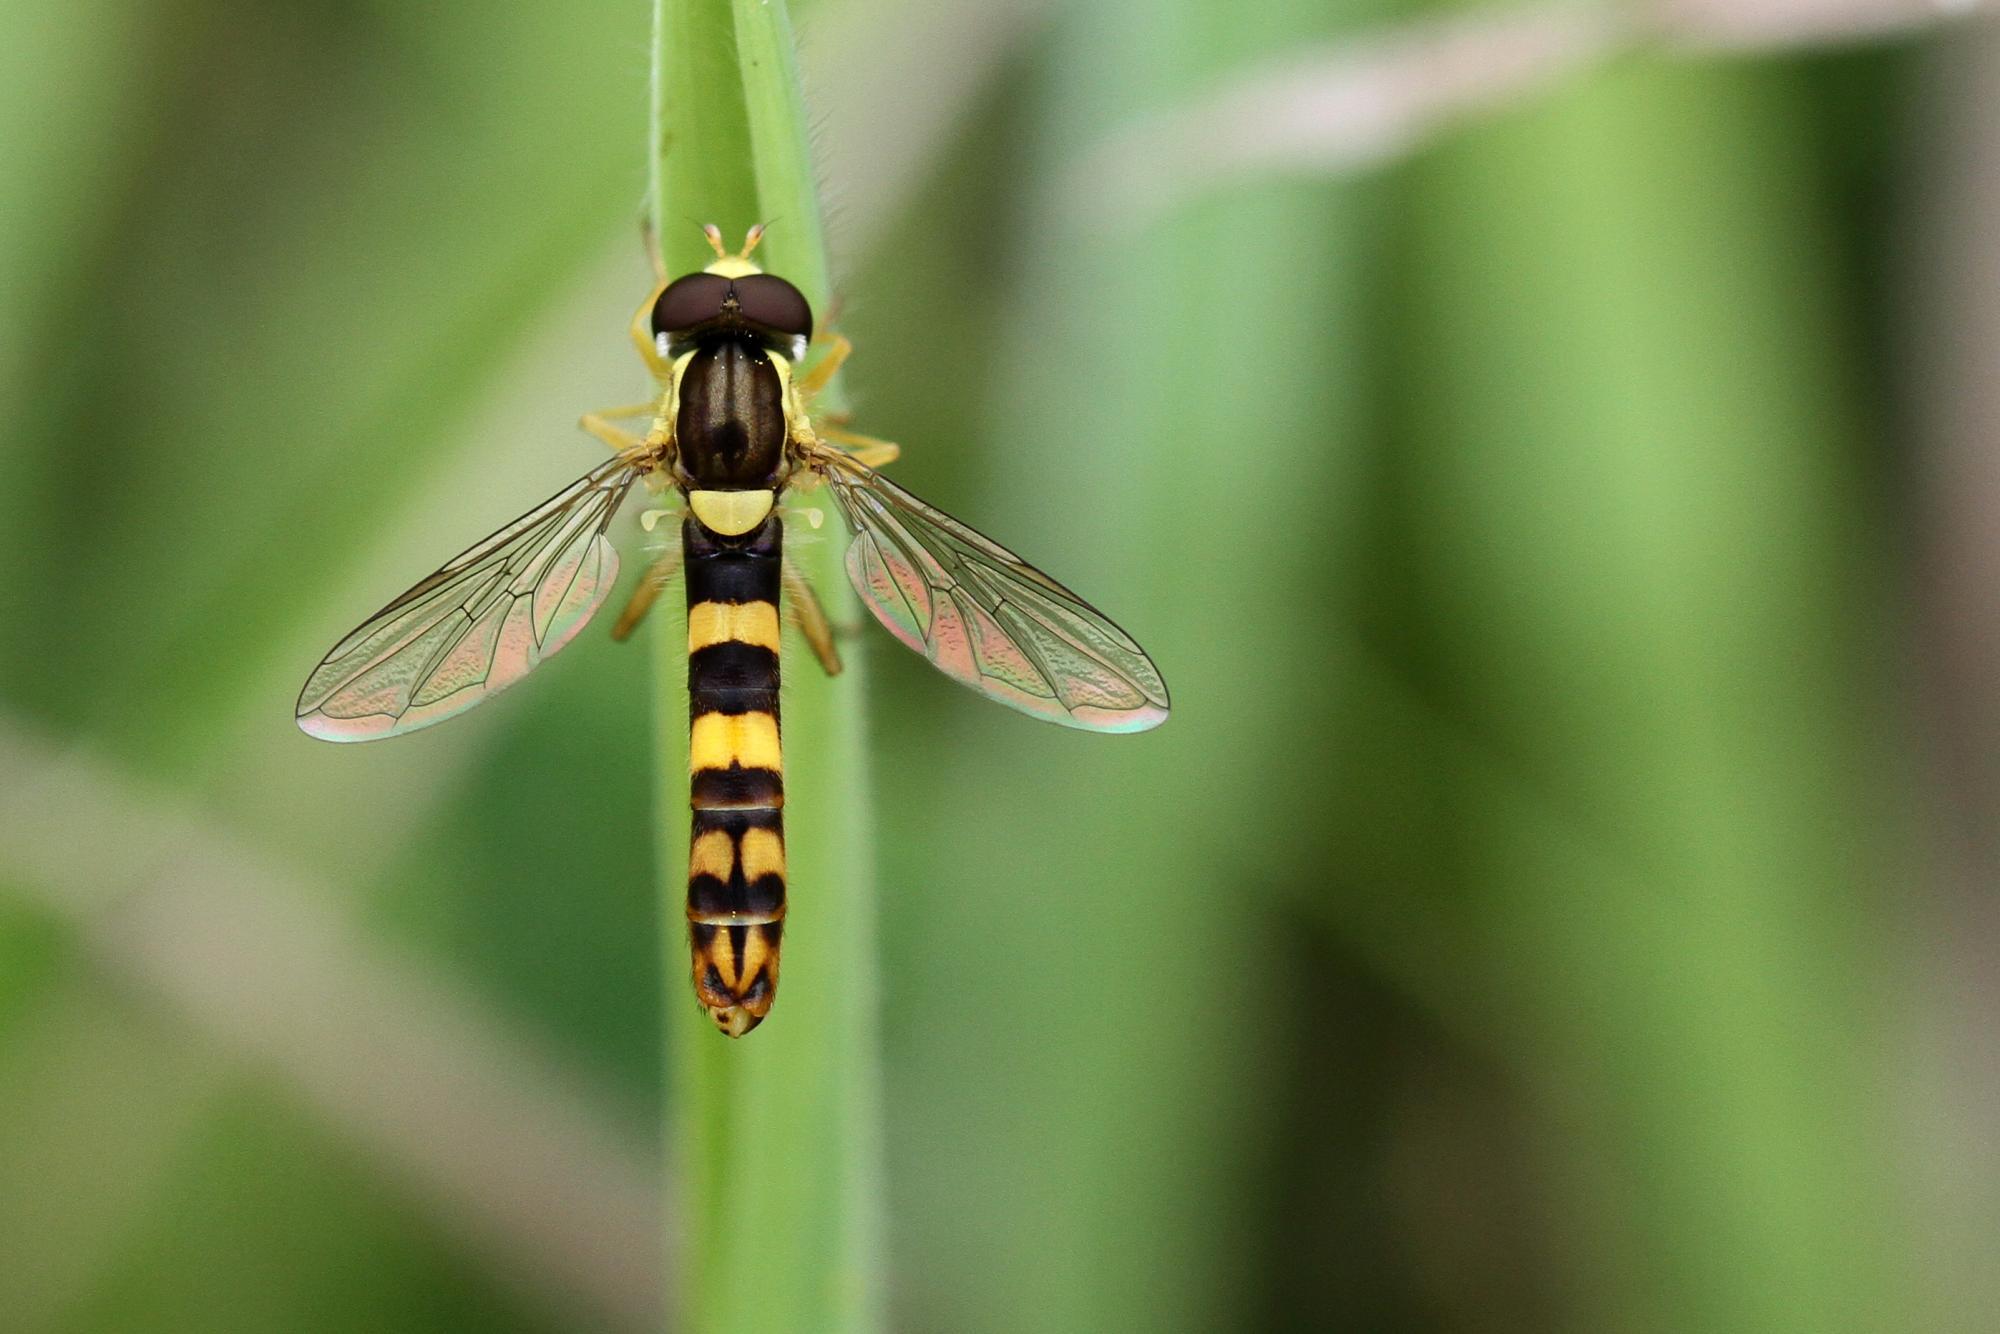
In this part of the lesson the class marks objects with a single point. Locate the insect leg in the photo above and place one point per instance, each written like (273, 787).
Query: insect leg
(814, 380)
(811, 617)
(658, 575)
(620, 440)
(642, 336)
(866, 449)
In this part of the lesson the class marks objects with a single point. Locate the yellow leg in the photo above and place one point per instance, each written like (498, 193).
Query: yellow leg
(814, 380)
(811, 617)
(866, 449)
(642, 337)
(623, 441)
(657, 576)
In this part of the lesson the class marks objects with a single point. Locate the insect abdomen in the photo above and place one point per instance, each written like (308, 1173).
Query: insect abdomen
(736, 859)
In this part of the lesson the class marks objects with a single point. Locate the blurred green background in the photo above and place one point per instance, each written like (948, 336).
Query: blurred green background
(1552, 462)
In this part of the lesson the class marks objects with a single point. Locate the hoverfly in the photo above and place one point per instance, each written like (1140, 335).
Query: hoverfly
(732, 429)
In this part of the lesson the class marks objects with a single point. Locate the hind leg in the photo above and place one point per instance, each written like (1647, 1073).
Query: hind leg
(811, 617)
(657, 576)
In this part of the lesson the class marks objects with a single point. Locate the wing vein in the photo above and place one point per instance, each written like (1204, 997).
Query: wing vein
(995, 622)
(407, 667)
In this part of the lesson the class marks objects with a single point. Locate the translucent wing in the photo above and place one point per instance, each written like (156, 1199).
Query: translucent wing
(985, 617)
(478, 625)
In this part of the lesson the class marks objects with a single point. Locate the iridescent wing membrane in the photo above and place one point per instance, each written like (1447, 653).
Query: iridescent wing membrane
(478, 625)
(985, 617)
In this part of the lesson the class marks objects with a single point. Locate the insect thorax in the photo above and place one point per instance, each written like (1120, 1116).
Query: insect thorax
(730, 429)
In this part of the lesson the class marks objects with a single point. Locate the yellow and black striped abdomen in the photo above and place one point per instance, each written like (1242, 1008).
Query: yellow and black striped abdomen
(736, 861)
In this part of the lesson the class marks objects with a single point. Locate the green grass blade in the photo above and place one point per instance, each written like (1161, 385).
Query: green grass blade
(775, 1139)
(1616, 314)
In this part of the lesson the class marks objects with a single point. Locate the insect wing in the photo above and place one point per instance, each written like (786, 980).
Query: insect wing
(985, 617)
(478, 625)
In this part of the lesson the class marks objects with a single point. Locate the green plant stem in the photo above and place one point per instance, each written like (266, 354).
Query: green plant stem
(774, 1140)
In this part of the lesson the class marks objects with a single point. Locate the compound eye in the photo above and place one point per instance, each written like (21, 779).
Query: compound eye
(690, 301)
(772, 303)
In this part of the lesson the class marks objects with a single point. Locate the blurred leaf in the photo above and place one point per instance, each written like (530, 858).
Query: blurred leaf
(273, 1229)
(535, 877)
(1085, 929)
(266, 256)
(1635, 585)
(309, 282)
